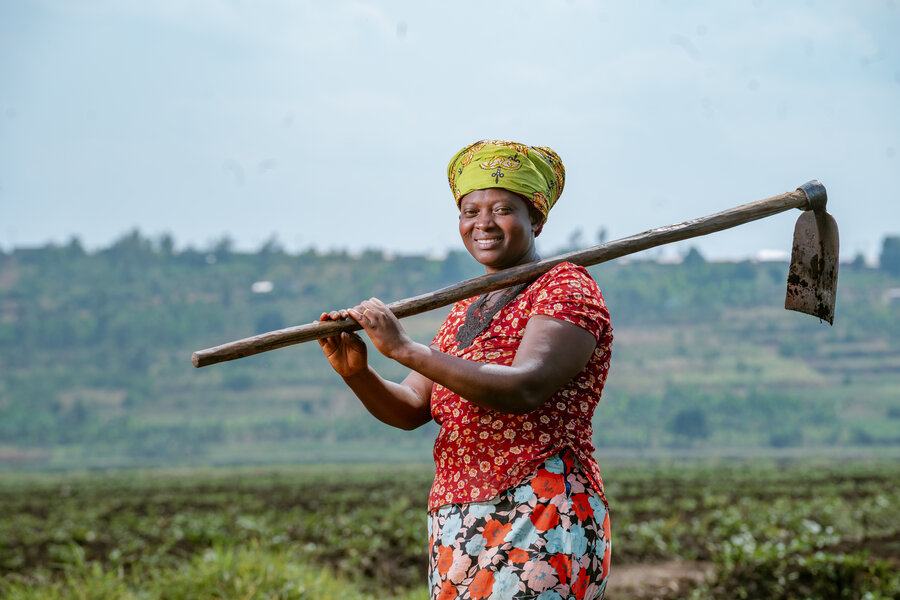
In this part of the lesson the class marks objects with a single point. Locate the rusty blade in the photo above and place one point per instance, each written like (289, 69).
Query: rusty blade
(812, 278)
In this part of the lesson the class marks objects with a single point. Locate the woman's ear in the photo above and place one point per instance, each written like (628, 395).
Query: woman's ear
(537, 219)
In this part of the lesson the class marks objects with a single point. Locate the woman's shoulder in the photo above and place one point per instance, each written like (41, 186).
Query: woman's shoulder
(567, 273)
(569, 267)
(568, 292)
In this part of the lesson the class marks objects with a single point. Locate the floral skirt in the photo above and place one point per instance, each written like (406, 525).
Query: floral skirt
(546, 539)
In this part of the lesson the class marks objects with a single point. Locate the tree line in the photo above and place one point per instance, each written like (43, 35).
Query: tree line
(94, 349)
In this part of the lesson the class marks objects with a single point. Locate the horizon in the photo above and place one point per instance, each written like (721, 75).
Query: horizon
(672, 253)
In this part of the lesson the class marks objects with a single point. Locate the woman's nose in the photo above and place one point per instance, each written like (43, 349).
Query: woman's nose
(484, 220)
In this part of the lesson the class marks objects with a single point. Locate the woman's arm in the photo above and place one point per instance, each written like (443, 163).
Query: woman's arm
(405, 405)
(551, 353)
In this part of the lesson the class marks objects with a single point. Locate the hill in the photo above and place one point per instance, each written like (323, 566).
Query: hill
(95, 348)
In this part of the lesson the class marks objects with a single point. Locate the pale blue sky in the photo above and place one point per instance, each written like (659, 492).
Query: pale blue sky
(330, 123)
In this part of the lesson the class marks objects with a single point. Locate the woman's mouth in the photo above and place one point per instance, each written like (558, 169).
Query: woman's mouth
(487, 243)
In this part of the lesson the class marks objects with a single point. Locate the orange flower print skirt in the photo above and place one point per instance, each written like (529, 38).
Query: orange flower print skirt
(545, 539)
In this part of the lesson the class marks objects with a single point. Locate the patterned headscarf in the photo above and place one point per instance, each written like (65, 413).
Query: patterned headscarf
(535, 172)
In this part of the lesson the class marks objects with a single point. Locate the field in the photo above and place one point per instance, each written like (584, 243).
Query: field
(680, 530)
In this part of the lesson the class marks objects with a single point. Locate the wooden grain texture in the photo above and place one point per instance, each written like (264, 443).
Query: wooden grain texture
(591, 256)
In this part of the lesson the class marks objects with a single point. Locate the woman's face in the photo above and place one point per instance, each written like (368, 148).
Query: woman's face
(497, 228)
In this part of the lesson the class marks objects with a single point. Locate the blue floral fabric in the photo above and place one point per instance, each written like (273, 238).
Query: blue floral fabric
(545, 539)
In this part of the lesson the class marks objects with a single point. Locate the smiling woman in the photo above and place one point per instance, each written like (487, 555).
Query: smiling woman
(498, 229)
(517, 508)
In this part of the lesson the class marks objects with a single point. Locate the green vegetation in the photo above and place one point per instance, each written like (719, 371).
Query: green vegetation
(95, 347)
(182, 531)
(890, 254)
(810, 529)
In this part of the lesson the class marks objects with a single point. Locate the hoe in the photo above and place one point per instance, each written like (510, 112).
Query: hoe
(811, 282)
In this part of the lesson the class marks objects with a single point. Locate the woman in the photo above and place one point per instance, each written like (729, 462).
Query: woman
(517, 507)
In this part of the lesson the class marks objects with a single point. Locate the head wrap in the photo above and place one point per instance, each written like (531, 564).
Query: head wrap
(534, 172)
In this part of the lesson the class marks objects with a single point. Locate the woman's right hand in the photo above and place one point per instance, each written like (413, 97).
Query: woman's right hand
(346, 351)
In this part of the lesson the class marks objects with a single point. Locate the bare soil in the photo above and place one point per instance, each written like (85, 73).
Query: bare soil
(655, 581)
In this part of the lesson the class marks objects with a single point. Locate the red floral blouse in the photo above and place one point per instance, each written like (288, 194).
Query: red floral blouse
(478, 452)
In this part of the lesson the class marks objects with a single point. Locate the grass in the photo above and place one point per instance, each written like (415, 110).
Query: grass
(220, 572)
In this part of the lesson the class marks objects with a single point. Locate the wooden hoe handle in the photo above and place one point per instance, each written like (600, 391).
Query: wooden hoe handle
(810, 195)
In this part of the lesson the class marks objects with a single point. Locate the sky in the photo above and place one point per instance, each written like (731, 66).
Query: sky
(329, 124)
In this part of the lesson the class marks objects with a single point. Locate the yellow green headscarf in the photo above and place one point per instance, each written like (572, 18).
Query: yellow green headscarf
(535, 172)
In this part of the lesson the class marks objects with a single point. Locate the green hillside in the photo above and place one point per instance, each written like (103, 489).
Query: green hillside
(95, 349)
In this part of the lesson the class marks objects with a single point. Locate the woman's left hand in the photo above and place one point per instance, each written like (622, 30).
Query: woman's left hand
(382, 326)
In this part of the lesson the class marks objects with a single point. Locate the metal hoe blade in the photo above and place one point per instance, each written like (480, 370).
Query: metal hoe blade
(812, 279)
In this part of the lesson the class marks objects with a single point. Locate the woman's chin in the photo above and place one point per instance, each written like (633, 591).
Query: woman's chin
(495, 262)
(488, 258)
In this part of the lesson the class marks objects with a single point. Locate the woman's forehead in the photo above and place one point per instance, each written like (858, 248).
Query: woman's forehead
(490, 196)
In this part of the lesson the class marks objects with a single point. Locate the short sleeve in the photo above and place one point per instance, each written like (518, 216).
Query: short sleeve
(567, 292)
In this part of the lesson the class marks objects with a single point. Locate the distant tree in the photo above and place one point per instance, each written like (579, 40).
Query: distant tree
(238, 382)
(191, 256)
(166, 245)
(890, 254)
(271, 246)
(136, 358)
(133, 240)
(371, 256)
(862, 436)
(693, 257)
(744, 271)
(77, 415)
(786, 437)
(457, 266)
(270, 320)
(575, 240)
(859, 262)
(223, 246)
(690, 423)
(130, 248)
(74, 248)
